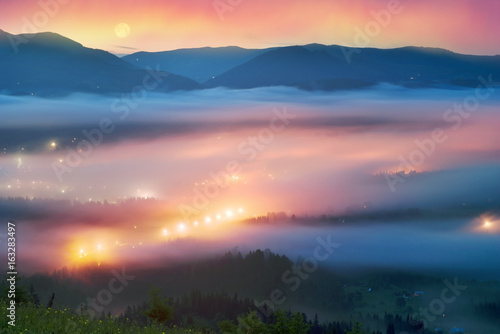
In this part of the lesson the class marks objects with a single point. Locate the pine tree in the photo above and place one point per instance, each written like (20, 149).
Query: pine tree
(227, 327)
(158, 309)
(280, 325)
(251, 324)
(391, 329)
(298, 324)
(356, 330)
(316, 326)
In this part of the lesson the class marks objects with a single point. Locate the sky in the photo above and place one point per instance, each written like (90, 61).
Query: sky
(126, 26)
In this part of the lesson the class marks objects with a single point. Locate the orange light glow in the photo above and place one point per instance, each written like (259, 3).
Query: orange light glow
(486, 223)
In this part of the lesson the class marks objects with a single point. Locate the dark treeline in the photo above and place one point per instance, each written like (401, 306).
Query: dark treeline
(489, 312)
(207, 292)
(211, 312)
(196, 308)
(254, 275)
(212, 307)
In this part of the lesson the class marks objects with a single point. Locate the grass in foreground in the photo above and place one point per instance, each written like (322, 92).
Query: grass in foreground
(40, 320)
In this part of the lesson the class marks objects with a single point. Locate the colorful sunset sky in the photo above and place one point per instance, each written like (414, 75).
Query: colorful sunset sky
(465, 26)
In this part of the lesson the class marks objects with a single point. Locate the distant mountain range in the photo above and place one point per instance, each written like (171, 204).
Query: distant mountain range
(49, 64)
(201, 64)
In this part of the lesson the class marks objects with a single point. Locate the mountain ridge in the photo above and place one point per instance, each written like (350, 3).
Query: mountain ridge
(199, 64)
(50, 64)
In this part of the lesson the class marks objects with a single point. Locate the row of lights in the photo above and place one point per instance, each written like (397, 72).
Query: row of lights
(182, 227)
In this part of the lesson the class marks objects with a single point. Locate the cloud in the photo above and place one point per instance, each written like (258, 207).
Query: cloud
(125, 47)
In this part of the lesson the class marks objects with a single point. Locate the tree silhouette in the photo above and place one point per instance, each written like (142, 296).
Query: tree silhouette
(251, 324)
(159, 310)
(227, 327)
(356, 330)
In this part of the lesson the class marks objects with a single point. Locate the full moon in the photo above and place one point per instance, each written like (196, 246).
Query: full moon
(122, 30)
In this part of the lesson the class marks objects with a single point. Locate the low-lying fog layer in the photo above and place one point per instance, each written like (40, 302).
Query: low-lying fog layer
(219, 152)
(451, 247)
